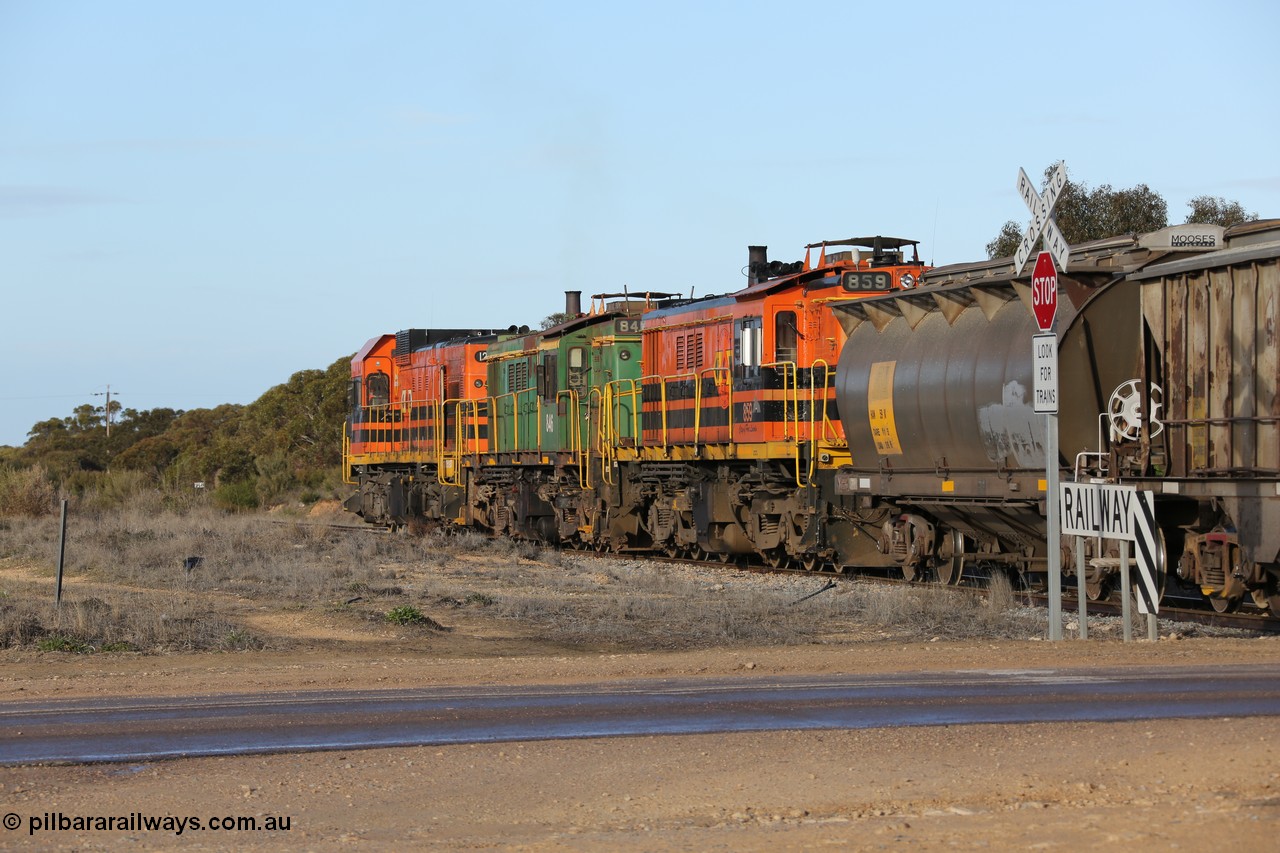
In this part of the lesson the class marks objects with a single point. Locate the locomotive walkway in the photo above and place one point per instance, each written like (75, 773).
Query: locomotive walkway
(102, 730)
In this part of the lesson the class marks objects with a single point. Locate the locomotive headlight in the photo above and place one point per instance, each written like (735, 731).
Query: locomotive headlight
(908, 280)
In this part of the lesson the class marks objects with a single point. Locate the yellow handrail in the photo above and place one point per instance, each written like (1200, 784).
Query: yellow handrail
(575, 435)
(661, 382)
(600, 434)
(346, 456)
(443, 451)
(790, 385)
(496, 417)
(697, 401)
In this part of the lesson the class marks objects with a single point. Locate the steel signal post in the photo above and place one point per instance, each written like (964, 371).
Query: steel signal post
(1044, 304)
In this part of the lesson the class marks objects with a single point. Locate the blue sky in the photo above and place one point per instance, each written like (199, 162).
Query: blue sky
(199, 199)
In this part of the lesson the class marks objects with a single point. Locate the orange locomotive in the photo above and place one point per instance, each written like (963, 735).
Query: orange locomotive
(739, 433)
(418, 405)
(721, 437)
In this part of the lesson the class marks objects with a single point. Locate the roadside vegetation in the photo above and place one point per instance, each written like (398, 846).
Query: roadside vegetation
(284, 446)
(169, 574)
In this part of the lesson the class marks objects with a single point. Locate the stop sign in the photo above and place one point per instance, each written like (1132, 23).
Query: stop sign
(1044, 291)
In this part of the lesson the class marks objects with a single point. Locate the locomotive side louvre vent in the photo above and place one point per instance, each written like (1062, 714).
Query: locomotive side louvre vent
(517, 376)
(689, 352)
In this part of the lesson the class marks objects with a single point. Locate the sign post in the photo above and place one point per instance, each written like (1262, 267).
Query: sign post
(1044, 304)
(1110, 511)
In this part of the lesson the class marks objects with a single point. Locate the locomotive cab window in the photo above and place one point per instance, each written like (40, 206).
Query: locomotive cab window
(379, 387)
(577, 367)
(353, 395)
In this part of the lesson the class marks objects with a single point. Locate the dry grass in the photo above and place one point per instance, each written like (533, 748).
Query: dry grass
(132, 589)
(581, 601)
(114, 622)
(26, 492)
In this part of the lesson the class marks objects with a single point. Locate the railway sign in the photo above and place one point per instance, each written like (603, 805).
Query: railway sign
(1109, 511)
(1044, 383)
(1044, 291)
(1042, 224)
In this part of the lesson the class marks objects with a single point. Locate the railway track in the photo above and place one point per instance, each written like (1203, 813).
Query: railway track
(1248, 621)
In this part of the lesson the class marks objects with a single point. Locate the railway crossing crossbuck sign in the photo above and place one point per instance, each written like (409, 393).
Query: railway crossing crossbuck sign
(1042, 224)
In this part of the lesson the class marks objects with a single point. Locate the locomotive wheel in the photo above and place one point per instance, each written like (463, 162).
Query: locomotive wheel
(671, 550)
(775, 558)
(909, 573)
(1097, 590)
(1224, 605)
(810, 562)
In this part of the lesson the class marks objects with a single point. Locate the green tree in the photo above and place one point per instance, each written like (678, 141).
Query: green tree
(555, 319)
(290, 436)
(1006, 243)
(1211, 210)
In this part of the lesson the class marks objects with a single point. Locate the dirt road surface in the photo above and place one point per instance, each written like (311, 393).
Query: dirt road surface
(1140, 785)
(1209, 784)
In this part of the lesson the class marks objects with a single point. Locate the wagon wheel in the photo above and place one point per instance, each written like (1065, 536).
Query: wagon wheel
(724, 556)
(670, 549)
(811, 562)
(910, 573)
(950, 563)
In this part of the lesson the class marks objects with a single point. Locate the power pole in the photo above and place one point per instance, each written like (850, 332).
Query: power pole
(108, 393)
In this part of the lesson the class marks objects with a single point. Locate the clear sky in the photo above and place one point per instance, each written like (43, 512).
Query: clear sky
(199, 199)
